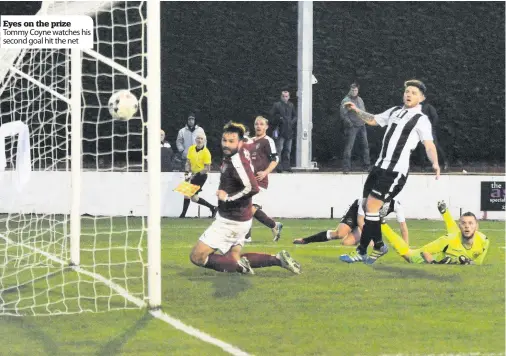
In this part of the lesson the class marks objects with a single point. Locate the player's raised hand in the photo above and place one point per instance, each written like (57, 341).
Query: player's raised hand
(222, 195)
(350, 106)
(436, 168)
(261, 175)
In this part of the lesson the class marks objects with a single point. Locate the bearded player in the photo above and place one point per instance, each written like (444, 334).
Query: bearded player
(264, 159)
(227, 233)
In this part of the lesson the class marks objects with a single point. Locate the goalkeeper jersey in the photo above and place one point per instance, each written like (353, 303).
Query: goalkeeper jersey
(451, 245)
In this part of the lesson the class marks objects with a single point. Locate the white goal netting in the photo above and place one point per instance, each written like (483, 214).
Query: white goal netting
(35, 276)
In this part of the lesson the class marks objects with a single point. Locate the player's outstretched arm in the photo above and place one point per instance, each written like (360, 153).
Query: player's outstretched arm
(404, 232)
(430, 149)
(451, 225)
(365, 116)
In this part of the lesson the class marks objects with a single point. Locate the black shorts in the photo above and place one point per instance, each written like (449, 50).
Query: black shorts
(383, 184)
(199, 179)
(350, 218)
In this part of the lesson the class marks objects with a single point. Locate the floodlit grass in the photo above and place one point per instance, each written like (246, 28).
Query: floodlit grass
(331, 309)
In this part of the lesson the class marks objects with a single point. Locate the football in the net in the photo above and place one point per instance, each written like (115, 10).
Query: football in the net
(123, 105)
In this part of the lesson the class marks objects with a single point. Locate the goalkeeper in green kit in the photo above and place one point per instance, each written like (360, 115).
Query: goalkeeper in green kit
(463, 244)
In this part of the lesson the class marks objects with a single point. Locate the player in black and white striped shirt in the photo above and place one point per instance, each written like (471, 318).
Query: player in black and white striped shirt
(406, 126)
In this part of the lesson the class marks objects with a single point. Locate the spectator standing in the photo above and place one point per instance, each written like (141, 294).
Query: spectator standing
(284, 117)
(354, 127)
(166, 153)
(187, 136)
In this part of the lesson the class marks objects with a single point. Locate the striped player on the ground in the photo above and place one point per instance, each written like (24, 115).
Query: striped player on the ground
(351, 225)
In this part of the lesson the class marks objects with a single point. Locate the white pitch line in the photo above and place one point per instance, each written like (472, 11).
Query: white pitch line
(198, 334)
(176, 323)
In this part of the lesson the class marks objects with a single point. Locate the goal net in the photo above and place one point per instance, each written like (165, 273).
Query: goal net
(36, 272)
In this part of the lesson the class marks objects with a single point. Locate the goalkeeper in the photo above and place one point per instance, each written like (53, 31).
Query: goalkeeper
(463, 244)
(198, 164)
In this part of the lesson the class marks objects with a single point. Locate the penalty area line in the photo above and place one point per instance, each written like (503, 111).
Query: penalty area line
(177, 324)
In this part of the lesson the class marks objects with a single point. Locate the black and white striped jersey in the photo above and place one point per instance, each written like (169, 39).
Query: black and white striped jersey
(406, 127)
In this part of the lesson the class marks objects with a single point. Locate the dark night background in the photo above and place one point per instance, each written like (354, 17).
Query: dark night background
(229, 61)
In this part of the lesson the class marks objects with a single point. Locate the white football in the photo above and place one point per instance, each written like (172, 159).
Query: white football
(123, 105)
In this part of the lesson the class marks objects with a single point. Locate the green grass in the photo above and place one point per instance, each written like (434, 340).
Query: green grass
(331, 309)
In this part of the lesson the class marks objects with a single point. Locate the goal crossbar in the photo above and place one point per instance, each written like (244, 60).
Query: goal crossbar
(116, 66)
(95, 55)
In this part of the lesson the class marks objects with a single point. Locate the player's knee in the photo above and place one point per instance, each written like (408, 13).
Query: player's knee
(347, 241)
(334, 235)
(198, 258)
(195, 198)
(236, 255)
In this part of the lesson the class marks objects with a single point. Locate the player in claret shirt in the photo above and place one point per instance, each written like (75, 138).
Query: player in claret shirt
(227, 233)
(265, 159)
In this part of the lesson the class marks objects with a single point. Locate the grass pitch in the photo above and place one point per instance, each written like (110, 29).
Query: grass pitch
(331, 309)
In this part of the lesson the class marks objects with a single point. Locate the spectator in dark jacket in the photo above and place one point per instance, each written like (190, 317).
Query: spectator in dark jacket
(186, 138)
(283, 118)
(166, 154)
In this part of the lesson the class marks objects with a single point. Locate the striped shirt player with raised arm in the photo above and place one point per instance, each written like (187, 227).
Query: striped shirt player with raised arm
(406, 126)
(265, 159)
(227, 233)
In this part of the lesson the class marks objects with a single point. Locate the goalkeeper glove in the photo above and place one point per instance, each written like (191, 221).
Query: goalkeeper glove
(445, 261)
(187, 176)
(465, 261)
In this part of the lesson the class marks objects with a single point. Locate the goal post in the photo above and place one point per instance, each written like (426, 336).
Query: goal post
(154, 152)
(61, 259)
(76, 153)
